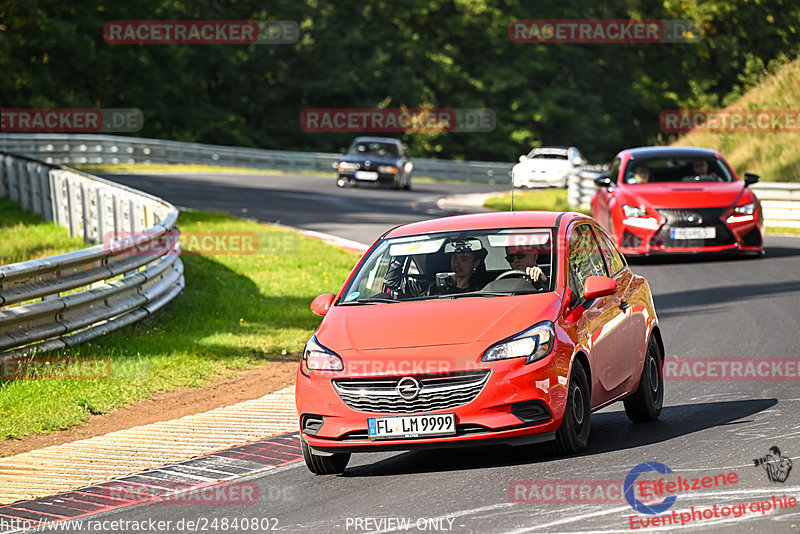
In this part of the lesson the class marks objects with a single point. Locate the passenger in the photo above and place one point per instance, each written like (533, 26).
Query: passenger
(525, 258)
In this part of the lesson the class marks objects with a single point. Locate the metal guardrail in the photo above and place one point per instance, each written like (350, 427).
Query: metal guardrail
(108, 149)
(780, 201)
(62, 300)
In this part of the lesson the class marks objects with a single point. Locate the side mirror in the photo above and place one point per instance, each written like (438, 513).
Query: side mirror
(342, 150)
(603, 180)
(322, 303)
(750, 178)
(522, 158)
(598, 286)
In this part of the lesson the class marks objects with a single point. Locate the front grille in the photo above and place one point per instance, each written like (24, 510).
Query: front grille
(681, 219)
(437, 392)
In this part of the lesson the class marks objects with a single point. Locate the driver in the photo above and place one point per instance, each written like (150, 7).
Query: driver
(524, 258)
(701, 171)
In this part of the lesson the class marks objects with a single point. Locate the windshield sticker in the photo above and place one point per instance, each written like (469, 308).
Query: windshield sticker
(352, 296)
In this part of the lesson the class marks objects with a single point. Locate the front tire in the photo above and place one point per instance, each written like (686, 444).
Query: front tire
(324, 465)
(645, 404)
(573, 434)
(341, 181)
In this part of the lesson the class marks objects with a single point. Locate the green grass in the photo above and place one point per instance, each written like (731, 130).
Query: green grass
(782, 230)
(772, 155)
(24, 236)
(166, 168)
(544, 199)
(237, 312)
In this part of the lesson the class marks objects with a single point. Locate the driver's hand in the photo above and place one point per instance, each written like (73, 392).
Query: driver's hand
(535, 273)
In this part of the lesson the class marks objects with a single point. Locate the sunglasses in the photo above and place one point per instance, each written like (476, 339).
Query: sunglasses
(512, 257)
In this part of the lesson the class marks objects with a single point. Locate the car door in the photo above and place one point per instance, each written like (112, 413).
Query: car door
(600, 321)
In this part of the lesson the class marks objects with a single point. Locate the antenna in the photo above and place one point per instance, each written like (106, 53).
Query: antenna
(512, 192)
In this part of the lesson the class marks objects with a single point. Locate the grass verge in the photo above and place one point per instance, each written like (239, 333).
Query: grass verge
(237, 312)
(26, 237)
(543, 199)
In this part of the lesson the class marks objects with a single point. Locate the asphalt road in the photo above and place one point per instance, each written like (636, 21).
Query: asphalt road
(709, 308)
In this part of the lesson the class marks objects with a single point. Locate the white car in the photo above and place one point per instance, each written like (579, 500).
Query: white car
(547, 166)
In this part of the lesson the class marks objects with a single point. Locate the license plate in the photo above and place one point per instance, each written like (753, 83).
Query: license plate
(412, 426)
(706, 232)
(366, 175)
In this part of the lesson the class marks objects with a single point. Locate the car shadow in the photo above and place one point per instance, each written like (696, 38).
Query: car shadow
(611, 431)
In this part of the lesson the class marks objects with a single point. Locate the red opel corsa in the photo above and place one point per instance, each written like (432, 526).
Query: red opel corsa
(504, 327)
(678, 200)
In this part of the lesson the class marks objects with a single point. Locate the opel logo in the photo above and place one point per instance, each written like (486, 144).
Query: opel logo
(367, 163)
(695, 218)
(408, 388)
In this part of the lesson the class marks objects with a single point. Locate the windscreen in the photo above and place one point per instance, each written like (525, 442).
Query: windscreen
(673, 169)
(485, 263)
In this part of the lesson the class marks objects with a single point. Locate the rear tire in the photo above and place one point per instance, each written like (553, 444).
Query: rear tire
(645, 404)
(324, 465)
(573, 434)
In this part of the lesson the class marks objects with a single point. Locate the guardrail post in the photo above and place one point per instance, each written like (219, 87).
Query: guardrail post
(35, 190)
(72, 207)
(3, 176)
(45, 193)
(86, 213)
(13, 192)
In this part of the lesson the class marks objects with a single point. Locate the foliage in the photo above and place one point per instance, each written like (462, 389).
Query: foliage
(414, 53)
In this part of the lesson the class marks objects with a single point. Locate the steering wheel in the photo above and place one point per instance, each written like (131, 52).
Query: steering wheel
(513, 272)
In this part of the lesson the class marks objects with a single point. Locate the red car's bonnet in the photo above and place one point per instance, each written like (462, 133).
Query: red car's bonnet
(431, 323)
(676, 194)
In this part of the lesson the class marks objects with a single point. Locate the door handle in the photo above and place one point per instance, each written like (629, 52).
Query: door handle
(623, 305)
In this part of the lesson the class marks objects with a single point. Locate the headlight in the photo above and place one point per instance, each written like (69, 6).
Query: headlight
(747, 209)
(347, 166)
(318, 358)
(534, 344)
(387, 169)
(633, 211)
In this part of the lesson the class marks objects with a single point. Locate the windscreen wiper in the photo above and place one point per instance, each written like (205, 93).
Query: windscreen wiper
(370, 300)
(478, 294)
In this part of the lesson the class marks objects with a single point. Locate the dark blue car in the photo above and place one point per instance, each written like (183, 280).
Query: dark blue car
(380, 160)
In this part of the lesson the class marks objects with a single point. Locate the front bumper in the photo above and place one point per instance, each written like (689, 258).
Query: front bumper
(738, 237)
(493, 416)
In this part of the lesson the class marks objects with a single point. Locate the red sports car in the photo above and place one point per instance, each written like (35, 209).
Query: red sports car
(500, 327)
(678, 200)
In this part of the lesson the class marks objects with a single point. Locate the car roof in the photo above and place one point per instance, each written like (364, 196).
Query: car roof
(670, 151)
(482, 221)
(376, 139)
(552, 148)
